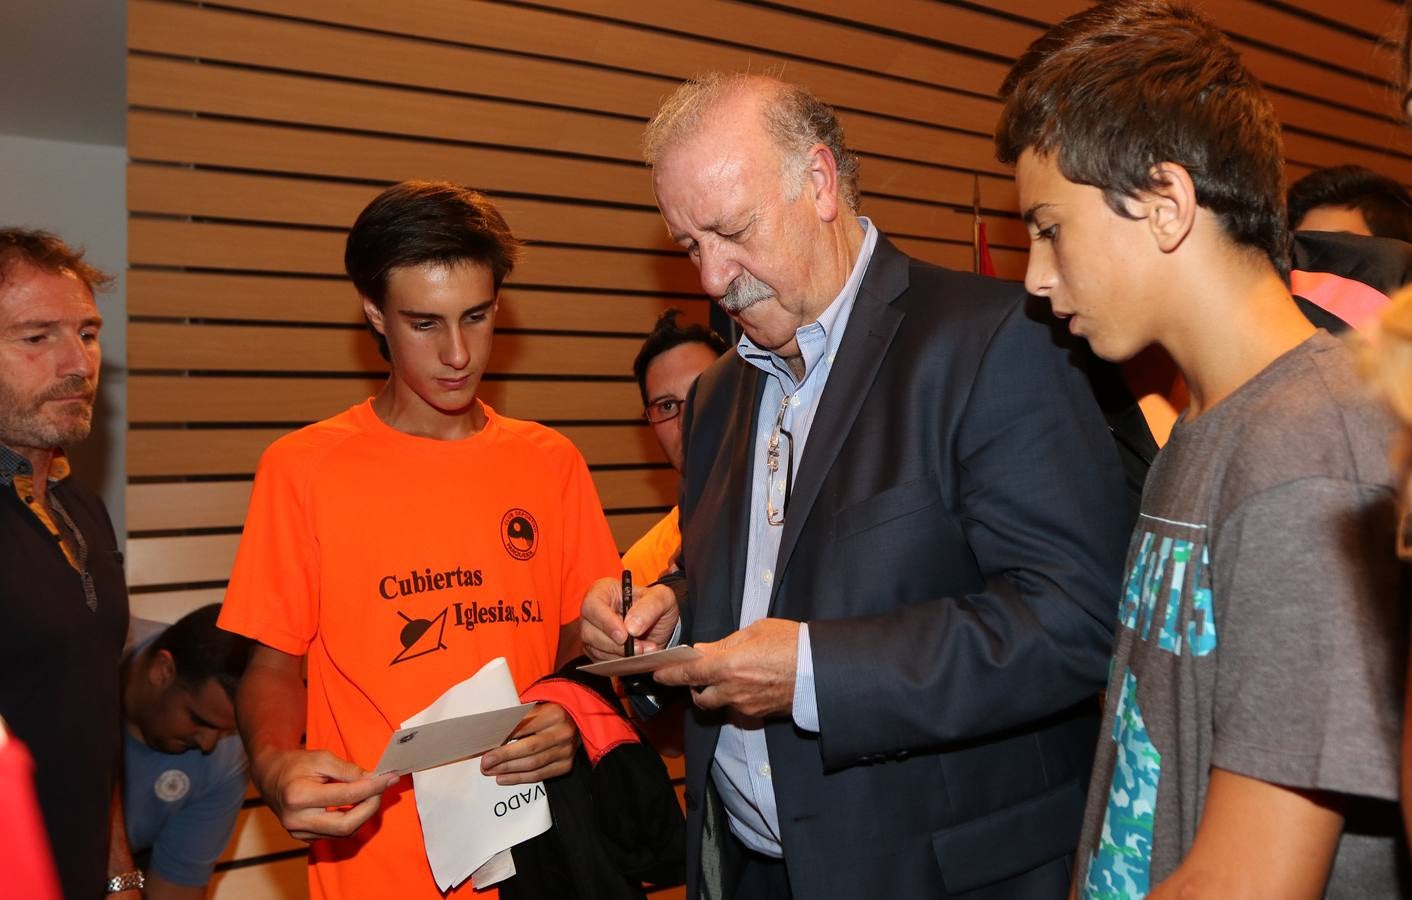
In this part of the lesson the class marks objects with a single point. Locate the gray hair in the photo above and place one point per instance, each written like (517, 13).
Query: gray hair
(795, 119)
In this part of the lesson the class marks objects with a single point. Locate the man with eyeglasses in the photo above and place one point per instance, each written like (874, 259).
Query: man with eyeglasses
(668, 363)
(903, 525)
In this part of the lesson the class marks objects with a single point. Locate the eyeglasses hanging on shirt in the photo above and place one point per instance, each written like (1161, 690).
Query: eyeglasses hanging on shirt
(775, 514)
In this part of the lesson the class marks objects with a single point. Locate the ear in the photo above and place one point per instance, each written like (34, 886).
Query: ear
(161, 669)
(822, 175)
(1169, 205)
(374, 315)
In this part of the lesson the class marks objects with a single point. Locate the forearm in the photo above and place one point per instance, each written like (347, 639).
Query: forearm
(1256, 840)
(158, 888)
(949, 669)
(271, 706)
(119, 854)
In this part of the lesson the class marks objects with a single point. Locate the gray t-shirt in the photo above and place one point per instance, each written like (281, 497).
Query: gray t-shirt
(1261, 629)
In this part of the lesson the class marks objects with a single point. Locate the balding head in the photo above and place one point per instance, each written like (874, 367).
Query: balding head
(795, 120)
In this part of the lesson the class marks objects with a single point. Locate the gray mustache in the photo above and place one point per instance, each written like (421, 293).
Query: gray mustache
(74, 384)
(744, 292)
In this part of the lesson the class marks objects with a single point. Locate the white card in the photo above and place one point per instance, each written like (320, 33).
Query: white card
(647, 662)
(438, 743)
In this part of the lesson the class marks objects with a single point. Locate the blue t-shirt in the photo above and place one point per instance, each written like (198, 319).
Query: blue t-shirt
(182, 805)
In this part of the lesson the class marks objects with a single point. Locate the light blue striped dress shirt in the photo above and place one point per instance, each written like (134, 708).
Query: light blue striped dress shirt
(742, 765)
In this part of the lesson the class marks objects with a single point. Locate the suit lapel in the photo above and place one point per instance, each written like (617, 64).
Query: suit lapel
(736, 522)
(871, 327)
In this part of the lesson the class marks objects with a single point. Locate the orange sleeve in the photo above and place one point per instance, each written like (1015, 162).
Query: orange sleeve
(273, 594)
(589, 550)
(655, 552)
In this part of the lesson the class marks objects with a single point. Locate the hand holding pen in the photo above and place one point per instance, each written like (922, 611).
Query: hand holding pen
(627, 605)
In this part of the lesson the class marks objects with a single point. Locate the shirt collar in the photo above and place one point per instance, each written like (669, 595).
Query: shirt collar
(820, 336)
(13, 464)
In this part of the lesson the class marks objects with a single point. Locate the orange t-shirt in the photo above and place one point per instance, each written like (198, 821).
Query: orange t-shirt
(656, 551)
(400, 565)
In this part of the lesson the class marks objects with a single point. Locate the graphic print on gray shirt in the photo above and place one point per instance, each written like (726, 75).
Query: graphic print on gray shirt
(1262, 628)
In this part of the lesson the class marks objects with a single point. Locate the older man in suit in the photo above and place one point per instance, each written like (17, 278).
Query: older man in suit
(903, 526)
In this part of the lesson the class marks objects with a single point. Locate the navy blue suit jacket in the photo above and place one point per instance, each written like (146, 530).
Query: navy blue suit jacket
(954, 539)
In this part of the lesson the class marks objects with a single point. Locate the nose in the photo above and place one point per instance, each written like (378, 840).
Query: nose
(455, 352)
(206, 739)
(718, 267)
(1039, 272)
(81, 356)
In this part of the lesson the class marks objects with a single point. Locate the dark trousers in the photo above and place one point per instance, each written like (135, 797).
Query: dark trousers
(761, 877)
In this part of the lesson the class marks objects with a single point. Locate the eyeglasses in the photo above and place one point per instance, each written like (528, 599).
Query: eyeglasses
(664, 410)
(775, 514)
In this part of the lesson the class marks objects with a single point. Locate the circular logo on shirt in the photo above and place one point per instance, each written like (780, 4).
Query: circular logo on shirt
(520, 534)
(172, 785)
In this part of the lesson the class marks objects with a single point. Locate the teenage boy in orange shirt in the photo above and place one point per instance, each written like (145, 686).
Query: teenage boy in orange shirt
(402, 544)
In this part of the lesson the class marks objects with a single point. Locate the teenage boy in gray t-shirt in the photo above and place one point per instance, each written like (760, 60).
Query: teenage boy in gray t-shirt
(1250, 738)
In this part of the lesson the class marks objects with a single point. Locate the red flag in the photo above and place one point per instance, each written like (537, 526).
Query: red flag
(980, 248)
(984, 265)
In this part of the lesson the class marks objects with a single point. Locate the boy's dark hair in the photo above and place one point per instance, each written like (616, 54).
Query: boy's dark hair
(48, 253)
(202, 650)
(425, 222)
(1119, 88)
(1385, 205)
(667, 334)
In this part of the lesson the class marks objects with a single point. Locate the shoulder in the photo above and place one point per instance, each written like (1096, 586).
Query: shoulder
(963, 309)
(1315, 420)
(307, 447)
(534, 445)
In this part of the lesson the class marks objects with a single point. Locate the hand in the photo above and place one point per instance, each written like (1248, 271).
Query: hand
(541, 747)
(751, 671)
(651, 620)
(314, 794)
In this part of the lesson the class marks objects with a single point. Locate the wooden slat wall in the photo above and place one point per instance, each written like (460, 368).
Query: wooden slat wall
(258, 128)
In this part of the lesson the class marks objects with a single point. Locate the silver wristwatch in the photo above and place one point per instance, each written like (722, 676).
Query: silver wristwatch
(127, 881)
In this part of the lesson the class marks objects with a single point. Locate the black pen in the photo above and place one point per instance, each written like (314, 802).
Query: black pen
(627, 605)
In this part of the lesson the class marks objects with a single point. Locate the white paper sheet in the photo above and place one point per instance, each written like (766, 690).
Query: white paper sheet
(438, 743)
(467, 819)
(647, 662)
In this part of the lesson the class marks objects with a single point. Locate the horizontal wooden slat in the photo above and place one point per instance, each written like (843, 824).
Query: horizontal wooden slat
(183, 139)
(213, 88)
(273, 348)
(160, 242)
(177, 452)
(191, 192)
(258, 833)
(168, 606)
(205, 295)
(184, 191)
(191, 504)
(208, 558)
(226, 36)
(1009, 39)
(179, 560)
(626, 45)
(158, 398)
(245, 93)
(287, 879)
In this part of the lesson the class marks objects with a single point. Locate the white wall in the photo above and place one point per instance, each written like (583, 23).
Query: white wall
(78, 192)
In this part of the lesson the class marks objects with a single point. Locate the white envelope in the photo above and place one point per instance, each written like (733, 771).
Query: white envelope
(647, 662)
(467, 819)
(437, 743)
